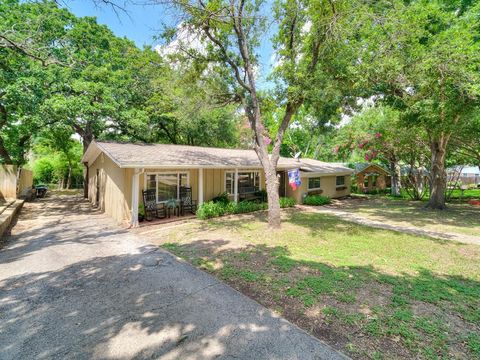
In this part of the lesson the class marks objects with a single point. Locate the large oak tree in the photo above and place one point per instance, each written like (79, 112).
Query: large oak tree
(307, 34)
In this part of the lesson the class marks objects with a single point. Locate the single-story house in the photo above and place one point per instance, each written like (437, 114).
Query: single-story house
(118, 172)
(371, 177)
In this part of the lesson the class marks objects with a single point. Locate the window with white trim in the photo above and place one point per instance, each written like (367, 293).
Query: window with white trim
(314, 183)
(340, 181)
(167, 184)
(229, 182)
(248, 182)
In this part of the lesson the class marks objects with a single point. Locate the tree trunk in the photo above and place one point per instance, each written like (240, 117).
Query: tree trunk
(438, 175)
(87, 137)
(4, 153)
(396, 178)
(273, 197)
(69, 176)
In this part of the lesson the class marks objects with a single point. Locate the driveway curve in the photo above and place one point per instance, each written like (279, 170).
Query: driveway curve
(74, 285)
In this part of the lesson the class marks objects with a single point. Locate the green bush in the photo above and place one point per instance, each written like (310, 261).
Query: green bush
(354, 188)
(316, 200)
(221, 198)
(385, 191)
(286, 202)
(215, 209)
(262, 195)
(141, 210)
(211, 209)
(247, 206)
(219, 207)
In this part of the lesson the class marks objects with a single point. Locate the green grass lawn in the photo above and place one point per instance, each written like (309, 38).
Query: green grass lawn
(466, 194)
(456, 195)
(371, 293)
(457, 218)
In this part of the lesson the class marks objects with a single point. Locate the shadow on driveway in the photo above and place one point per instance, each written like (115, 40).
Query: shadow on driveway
(75, 286)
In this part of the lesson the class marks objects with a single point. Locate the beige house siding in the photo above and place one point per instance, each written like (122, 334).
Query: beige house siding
(327, 186)
(113, 192)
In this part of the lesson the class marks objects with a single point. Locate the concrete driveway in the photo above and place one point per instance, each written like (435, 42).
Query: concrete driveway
(74, 285)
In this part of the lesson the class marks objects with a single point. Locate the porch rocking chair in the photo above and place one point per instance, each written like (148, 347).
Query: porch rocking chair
(152, 209)
(186, 202)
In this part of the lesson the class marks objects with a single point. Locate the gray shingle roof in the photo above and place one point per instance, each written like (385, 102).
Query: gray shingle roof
(317, 166)
(133, 155)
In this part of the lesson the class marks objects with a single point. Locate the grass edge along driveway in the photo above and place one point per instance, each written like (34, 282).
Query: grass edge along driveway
(369, 292)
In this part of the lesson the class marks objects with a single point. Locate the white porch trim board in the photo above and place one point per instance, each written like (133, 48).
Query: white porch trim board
(200, 186)
(135, 192)
(235, 186)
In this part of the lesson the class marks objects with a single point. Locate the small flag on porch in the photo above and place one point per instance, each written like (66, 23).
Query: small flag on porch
(294, 178)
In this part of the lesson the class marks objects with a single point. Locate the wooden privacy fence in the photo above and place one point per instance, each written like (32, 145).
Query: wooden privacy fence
(24, 182)
(13, 182)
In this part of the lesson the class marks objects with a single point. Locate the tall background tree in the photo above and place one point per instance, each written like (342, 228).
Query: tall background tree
(422, 57)
(31, 52)
(63, 72)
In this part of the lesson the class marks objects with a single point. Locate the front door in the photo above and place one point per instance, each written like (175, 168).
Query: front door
(283, 183)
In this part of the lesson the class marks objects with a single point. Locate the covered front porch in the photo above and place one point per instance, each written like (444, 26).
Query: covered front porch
(204, 183)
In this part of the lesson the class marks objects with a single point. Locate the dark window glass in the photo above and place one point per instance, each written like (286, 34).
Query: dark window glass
(248, 182)
(314, 183)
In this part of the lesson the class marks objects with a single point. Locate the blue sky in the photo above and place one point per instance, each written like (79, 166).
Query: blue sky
(140, 25)
(143, 23)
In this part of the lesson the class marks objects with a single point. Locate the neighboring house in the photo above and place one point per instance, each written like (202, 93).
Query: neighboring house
(464, 173)
(371, 177)
(118, 172)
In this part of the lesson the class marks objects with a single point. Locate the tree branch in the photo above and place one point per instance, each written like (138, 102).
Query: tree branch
(5, 42)
(227, 58)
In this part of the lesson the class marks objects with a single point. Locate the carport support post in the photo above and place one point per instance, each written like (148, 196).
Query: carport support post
(200, 186)
(235, 186)
(135, 191)
(85, 181)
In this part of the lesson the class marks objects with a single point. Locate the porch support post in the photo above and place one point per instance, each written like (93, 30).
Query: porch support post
(235, 186)
(135, 191)
(200, 186)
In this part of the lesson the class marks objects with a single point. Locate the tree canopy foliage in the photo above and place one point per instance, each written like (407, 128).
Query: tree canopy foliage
(418, 63)
(423, 58)
(395, 82)
(60, 70)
